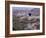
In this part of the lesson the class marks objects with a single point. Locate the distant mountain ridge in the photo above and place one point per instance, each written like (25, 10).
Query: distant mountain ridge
(34, 11)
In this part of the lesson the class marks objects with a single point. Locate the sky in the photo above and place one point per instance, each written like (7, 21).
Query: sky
(22, 8)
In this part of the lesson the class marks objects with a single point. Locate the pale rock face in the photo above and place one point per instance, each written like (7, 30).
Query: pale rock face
(29, 26)
(29, 18)
(21, 14)
(22, 17)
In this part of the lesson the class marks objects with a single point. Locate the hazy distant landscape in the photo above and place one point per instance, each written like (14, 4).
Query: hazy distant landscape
(26, 18)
